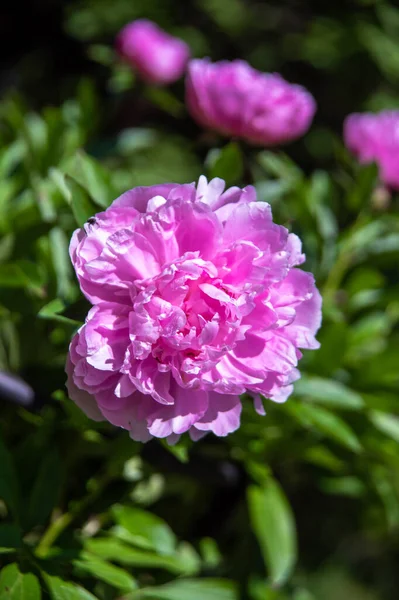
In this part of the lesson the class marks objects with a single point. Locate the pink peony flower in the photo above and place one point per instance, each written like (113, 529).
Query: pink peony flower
(375, 138)
(156, 55)
(236, 100)
(196, 301)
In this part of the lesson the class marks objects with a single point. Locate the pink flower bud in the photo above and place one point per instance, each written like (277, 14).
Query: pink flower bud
(236, 100)
(157, 56)
(375, 138)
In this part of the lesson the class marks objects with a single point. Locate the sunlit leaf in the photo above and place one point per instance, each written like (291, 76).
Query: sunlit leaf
(190, 589)
(274, 526)
(15, 585)
(106, 571)
(227, 164)
(92, 177)
(386, 423)
(65, 590)
(144, 529)
(326, 423)
(328, 392)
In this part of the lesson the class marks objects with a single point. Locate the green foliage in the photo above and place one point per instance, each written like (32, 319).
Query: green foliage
(15, 585)
(274, 526)
(302, 504)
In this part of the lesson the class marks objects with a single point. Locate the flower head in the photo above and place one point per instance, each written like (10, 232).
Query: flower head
(157, 56)
(197, 299)
(375, 138)
(237, 100)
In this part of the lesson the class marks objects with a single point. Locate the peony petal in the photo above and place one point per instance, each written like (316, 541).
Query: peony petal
(222, 416)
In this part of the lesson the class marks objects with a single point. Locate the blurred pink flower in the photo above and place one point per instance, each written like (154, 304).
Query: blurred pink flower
(157, 56)
(375, 138)
(196, 301)
(236, 100)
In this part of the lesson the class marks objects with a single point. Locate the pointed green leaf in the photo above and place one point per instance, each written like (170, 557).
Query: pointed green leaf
(65, 590)
(59, 244)
(386, 423)
(92, 177)
(326, 423)
(274, 526)
(117, 551)
(144, 529)
(15, 585)
(228, 164)
(329, 392)
(82, 206)
(190, 589)
(51, 312)
(107, 572)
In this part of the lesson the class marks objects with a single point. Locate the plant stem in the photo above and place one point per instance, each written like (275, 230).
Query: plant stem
(59, 525)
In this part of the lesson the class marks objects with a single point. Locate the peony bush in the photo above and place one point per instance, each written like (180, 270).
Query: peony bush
(213, 263)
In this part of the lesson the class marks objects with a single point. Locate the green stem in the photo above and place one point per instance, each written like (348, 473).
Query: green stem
(59, 525)
(343, 262)
(337, 273)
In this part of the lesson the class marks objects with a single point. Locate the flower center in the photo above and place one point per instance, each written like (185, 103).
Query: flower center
(185, 317)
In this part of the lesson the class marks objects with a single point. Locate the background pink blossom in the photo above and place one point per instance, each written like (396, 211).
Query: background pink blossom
(375, 138)
(157, 56)
(237, 100)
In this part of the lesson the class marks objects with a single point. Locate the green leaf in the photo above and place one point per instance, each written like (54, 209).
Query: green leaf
(367, 337)
(107, 572)
(10, 537)
(117, 551)
(59, 244)
(388, 243)
(135, 140)
(323, 457)
(45, 490)
(364, 185)
(382, 48)
(51, 311)
(144, 529)
(15, 585)
(93, 177)
(190, 589)
(11, 156)
(228, 164)
(65, 590)
(386, 423)
(210, 552)
(302, 594)
(179, 450)
(165, 100)
(326, 423)
(343, 486)
(360, 240)
(82, 207)
(22, 274)
(8, 479)
(274, 526)
(280, 165)
(272, 190)
(11, 276)
(329, 392)
(385, 486)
